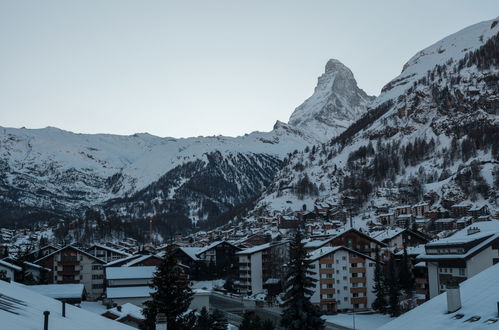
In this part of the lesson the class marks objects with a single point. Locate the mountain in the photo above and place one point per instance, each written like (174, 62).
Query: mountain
(337, 103)
(47, 173)
(432, 134)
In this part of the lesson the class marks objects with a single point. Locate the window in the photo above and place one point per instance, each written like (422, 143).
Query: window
(353, 265)
(97, 286)
(345, 288)
(354, 285)
(343, 258)
(97, 277)
(337, 261)
(355, 295)
(337, 281)
(462, 271)
(345, 278)
(345, 299)
(337, 271)
(371, 264)
(344, 267)
(96, 267)
(338, 291)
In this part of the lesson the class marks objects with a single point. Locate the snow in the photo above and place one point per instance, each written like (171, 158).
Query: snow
(208, 285)
(93, 306)
(28, 314)
(362, 321)
(479, 296)
(486, 228)
(127, 309)
(139, 272)
(191, 252)
(59, 291)
(11, 266)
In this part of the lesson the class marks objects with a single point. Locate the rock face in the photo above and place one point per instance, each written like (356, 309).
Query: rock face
(432, 134)
(337, 102)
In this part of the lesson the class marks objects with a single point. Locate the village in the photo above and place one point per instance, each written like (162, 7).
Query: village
(247, 263)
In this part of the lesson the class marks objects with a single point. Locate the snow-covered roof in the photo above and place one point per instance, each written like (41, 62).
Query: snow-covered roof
(126, 310)
(128, 292)
(117, 261)
(191, 252)
(325, 250)
(479, 297)
(74, 248)
(105, 247)
(486, 228)
(386, 234)
(11, 266)
(59, 291)
(139, 272)
(26, 307)
(140, 259)
(261, 247)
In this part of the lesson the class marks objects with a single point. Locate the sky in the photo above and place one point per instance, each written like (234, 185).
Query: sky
(191, 68)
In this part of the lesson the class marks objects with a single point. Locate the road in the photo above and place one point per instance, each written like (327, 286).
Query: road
(234, 308)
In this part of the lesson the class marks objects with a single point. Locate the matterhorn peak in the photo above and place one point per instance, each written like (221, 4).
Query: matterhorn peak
(337, 102)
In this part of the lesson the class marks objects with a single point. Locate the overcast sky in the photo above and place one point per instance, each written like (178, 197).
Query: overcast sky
(189, 68)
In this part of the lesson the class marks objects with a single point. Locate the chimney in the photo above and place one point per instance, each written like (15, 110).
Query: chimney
(161, 321)
(63, 308)
(46, 320)
(453, 297)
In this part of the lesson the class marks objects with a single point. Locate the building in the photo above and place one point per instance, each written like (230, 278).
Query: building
(460, 210)
(220, 253)
(445, 224)
(387, 219)
(462, 255)
(355, 240)
(9, 270)
(345, 279)
(396, 238)
(106, 253)
(477, 307)
(128, 314)
(129, 284)
(420, 209)
(260, 263)
(72, 265)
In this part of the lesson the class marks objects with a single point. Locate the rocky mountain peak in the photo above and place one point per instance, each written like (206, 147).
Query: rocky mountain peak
(336, 103)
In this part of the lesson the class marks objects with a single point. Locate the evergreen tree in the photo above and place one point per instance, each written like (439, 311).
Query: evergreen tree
(379, 303)
(172, 296)
(393, 291)
(250, 322)
(406, 277)
(299, 313)
(204, 320)
(219, 320)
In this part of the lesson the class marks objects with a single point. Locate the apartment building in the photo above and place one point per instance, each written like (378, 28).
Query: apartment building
(345, 279)
(72, 265)
(261, 263)
(462, 255)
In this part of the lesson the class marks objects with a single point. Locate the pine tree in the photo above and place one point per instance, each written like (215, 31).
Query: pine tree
(406, 277)
(204, 320)
(250, 322)
(379, 303)
(299, 313)
(219, 320)
(172, 296)
(393, 291)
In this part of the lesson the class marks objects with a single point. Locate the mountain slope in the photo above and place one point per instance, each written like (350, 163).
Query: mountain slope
(49, 171)
(337, 102)
(432, 134)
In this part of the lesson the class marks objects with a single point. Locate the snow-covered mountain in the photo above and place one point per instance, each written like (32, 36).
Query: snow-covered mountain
(432, 134)
(337, 103)
(58, 172)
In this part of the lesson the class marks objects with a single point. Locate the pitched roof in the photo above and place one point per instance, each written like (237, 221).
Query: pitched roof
(11, 266)
(58, 291)
(128, 292)
(323, 251)
(105, 247)
(74, 248)
(26, 307)
(139, 272)
(479, 296)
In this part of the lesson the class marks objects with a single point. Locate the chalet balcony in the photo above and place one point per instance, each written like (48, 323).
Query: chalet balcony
(358, 290)
(357, 280)
(359, 300)
(357, 270)
(67, 272)
(328, 291)
(326, 271)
